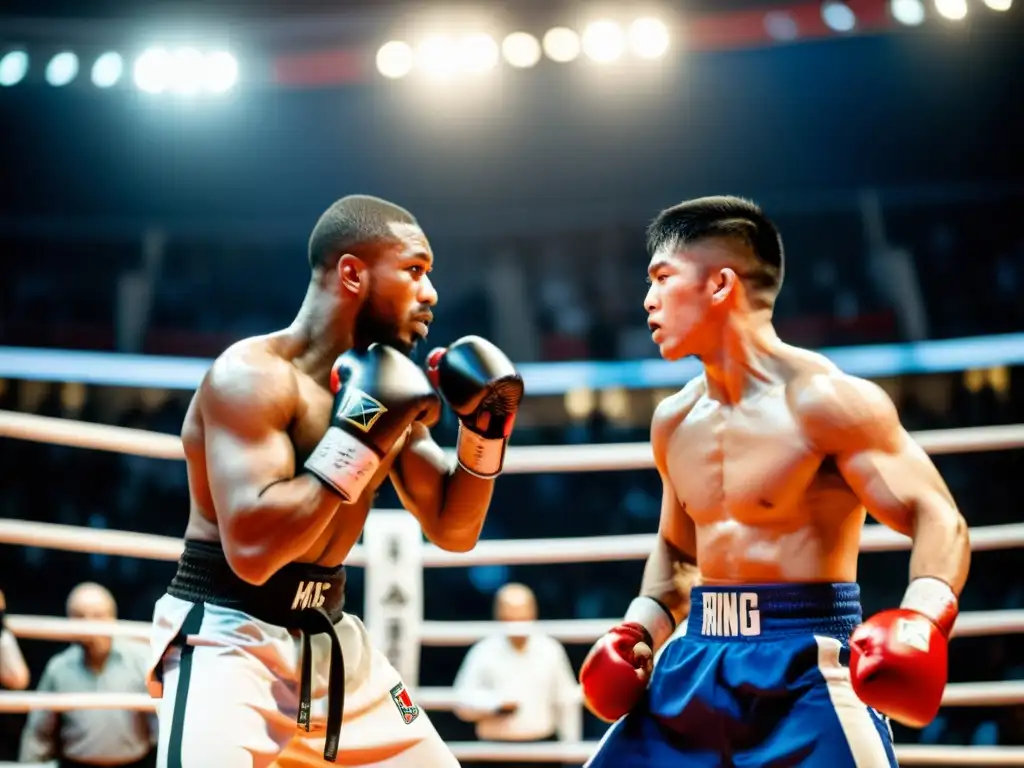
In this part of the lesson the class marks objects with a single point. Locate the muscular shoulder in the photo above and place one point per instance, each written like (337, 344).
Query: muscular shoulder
(249, 380)
(839, 412)
(670, 413)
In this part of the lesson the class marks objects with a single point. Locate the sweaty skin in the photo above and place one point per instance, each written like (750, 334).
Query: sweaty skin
(265, 404)
(774, 488)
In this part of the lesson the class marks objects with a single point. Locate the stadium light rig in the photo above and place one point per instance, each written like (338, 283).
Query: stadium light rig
(62, 69)
(954, 10)
(13, 67)
(107, 70)
(838, 17)
(185, 71)
(910, 13)
(601, 41)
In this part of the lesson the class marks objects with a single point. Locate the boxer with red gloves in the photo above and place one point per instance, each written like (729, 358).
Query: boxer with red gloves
(769, 461)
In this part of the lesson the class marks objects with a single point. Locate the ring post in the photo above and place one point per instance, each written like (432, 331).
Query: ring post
(393, 611)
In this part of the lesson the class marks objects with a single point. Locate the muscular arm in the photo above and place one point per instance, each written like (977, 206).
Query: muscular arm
(855, 421)
(268, 517)
(449, 503)
(671, 569)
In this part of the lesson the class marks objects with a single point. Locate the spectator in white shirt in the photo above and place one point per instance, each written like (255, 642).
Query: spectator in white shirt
(518, 685)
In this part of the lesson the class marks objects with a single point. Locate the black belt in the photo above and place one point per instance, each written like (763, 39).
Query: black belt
(303, 597)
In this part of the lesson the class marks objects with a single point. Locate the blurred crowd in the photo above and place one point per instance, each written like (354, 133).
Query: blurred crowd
(964, 265)
(930, 270)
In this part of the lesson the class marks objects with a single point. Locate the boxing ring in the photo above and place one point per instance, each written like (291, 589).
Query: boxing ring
(591, 458)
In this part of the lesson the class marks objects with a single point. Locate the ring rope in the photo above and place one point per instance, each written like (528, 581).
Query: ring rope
(586, 549)
(456, 634)
(483, 751)
(601, 457)
(998, 693)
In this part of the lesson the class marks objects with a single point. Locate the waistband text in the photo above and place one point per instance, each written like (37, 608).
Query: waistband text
(310, 594)
(730, 614)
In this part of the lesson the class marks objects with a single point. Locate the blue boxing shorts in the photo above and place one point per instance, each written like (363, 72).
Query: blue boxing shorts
(759, 680)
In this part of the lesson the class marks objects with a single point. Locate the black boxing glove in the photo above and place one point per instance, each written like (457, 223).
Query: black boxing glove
(484, 390)
(379, 392)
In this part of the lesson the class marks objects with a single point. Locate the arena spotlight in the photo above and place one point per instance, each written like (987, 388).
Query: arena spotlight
(999, 5)
(954, 10)
(521, 50)
(107, 70)
(780, 25)
(838, 16)
(13, 68)
(187, 71)
(220, 72)
(603, 41)
(394, 59)
(437, 57)
(477, 53)
(153, 70)
(907, 12)
(561, 44)
(62, 69)
(648, 38)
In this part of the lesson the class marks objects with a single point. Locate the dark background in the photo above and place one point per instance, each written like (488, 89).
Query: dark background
(551, 173)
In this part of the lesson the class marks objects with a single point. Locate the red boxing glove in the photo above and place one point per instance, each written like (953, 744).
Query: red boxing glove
(898, 658)
(613, 675)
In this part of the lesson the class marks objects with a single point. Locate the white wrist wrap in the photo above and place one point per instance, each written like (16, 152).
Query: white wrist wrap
(934, 599)
(650, 614)
(478, 455)
(344, 463)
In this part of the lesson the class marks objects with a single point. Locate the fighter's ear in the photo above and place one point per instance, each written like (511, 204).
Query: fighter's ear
(353, 274)
(724, 282)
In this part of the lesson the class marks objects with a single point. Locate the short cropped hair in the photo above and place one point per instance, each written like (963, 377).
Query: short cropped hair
(724, 216)
(353, 221)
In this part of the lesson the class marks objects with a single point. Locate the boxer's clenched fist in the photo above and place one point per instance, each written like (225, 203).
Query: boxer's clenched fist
(378, 393)
(484, 389)
(614, 675)
(898, 658)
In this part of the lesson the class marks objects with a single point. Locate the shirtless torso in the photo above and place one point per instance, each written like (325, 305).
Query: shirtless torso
(289, 396)
(255, 419)
(765, 503)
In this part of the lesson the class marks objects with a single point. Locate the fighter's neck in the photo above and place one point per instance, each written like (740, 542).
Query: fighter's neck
(744, 360)
(320, 332)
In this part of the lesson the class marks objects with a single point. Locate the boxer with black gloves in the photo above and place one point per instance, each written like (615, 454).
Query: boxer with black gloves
(286, 441)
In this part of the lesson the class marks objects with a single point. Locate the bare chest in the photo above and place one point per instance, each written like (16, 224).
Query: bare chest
(748, 463)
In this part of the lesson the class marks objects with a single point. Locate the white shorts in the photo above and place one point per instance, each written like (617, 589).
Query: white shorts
(234, 703)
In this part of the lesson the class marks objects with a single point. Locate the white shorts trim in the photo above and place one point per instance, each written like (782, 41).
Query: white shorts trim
(243, 690)
(861, 733)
